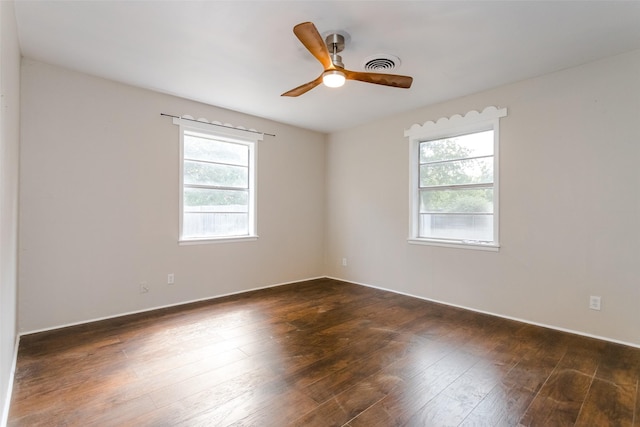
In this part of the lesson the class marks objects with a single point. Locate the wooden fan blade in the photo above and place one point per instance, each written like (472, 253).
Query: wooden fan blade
(309, 36)
(394, 80)
(303, 88)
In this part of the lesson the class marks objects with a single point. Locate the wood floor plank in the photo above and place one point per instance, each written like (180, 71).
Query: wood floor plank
(619, 364)
(70, 413)
(636, 412)
(338, 381)
(213, 355)
(401, 404)
(476, 383)
(318, 353)
(442, 410)
(227, 381)
(608, 404)
(534, 368)
(560, 399)
(270, 403)
(342, 407)
(504, 405)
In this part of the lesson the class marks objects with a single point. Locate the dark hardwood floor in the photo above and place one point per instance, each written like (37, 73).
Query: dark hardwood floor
(321, 353)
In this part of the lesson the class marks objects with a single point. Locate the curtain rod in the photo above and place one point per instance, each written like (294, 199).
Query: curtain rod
(216, 124)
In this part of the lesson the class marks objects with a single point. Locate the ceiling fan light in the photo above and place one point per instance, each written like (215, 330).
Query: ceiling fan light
(333, 78)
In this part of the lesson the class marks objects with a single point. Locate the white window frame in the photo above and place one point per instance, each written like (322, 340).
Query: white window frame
(445, 127)
(225, 134)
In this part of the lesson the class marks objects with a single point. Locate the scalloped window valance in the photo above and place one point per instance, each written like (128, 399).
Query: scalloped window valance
(455, 123)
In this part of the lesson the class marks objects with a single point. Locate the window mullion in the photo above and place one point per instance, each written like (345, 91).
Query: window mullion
(454, 213)
(487, 185)
(213, 187)
(436, 162)
(209, 162)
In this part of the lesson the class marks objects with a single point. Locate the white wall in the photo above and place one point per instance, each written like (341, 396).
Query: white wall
(99, 203)
(9, 152)
(569, 211)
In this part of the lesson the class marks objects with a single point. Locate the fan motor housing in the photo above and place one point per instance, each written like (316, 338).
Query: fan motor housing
(335, 42)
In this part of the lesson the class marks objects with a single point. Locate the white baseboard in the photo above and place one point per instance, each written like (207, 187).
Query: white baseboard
(12, 373)
(517, 319)
(557, 328)
(164, 306)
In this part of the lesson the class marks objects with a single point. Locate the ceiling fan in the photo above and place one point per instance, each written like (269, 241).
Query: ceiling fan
(334, 74)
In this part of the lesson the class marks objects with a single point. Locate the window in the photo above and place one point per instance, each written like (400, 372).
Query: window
(454, 188)
(218, 191)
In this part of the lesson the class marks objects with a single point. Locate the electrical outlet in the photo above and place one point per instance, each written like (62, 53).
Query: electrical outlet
(144, 288)
(594, 302)
(344, 262)
(170, 279)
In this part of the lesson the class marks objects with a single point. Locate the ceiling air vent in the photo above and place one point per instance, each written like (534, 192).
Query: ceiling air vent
(381, 63)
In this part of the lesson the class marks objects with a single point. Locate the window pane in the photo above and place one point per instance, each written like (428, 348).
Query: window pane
(458, 227)
(198, 148)
(206, 200)
(471, 171)
(459, 147)
(476, 200)
(215, 224)
(215, 175)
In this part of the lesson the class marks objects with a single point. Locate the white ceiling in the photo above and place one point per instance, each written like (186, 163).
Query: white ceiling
(243, 55)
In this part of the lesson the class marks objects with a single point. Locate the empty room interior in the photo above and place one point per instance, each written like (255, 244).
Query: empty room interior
(350, 213)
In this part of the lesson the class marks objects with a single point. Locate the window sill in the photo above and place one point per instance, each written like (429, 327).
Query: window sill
(492, 247)
(209, 240)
